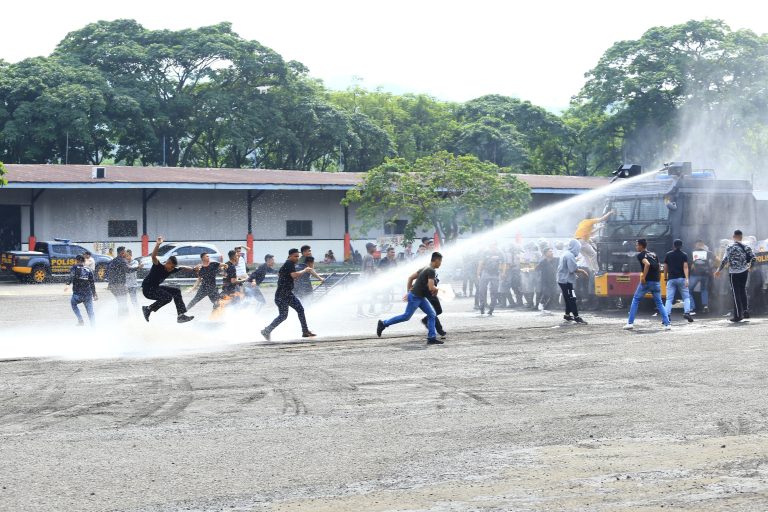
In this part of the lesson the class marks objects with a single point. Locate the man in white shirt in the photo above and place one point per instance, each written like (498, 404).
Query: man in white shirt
(242, 271)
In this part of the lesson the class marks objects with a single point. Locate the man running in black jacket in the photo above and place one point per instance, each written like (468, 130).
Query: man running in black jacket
(162, 295)
(284, 297)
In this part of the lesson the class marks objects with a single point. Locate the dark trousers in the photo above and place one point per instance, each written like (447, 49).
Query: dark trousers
(438, 310)
(202, 293)
(163, 295)
(570, 299)
(283, 303)
(739, 289)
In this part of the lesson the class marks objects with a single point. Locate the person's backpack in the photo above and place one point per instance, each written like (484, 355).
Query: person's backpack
(653, 260)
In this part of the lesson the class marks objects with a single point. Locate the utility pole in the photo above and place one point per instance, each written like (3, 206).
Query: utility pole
(66, 151)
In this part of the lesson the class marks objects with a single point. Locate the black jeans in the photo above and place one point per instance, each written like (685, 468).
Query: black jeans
(739, 289)
(283, 303)
(438, 310)
(163, 295)
(570, 299)
(211, 293)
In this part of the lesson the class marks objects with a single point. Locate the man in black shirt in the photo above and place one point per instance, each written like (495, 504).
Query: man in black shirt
(284, 297)
(257, 277)
(83, 289)
(420, 286)
(649, 283)
(162, 295)
(676, 274)
(206, 281)
(231, 281)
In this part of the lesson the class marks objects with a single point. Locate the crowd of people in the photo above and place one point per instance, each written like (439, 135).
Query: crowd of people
(536, 275)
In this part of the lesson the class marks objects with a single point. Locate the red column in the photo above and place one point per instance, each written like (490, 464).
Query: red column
(145, 245)
(347, 247)
(32, 242)
(249, 244)
(437, 241)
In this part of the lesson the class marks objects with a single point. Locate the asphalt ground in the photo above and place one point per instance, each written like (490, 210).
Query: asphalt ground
(520, 411)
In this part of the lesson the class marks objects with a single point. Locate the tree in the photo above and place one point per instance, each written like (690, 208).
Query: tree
(443, 192)
(165, 71)
(3, 180)
(689, 87)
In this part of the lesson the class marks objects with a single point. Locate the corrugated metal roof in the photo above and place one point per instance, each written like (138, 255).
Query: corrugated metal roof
(74, 176)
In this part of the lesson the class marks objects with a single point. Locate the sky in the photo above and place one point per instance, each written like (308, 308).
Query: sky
(535, 50)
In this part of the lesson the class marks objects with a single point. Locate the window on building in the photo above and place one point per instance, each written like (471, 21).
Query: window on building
(122, 228)
(298, 228)
(395, 227)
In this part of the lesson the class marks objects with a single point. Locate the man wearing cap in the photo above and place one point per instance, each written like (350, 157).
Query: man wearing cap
(676, 272)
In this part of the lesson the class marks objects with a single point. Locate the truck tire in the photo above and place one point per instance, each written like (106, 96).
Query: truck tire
(101, 272)
(39, 274)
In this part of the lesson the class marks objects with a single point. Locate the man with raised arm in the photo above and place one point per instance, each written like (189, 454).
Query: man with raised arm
(162, 295)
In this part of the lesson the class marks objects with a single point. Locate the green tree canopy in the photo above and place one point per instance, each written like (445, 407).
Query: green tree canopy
(443, 192)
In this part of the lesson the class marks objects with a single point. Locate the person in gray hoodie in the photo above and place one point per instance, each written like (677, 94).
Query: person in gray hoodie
(567, 272)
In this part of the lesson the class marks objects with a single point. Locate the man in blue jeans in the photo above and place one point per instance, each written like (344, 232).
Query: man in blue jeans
(420, 286)
(649, 283)
(676, 274)
(701, 272)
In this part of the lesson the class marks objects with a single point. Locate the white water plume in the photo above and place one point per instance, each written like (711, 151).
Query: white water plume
(333, 316)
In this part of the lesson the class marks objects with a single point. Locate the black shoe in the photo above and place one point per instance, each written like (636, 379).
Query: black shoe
(568, 318)
(442, 334)
(184, 318)
(482, 310)
(490, 312)
(746, 315)
(579, 320)
(380, 328)
(434, 341)
(308, 334)
(146, 311)
(267, 335)
(735, 319)
(688, 317)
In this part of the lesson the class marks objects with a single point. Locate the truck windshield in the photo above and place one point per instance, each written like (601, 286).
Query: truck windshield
(166, 249)
(643, 217)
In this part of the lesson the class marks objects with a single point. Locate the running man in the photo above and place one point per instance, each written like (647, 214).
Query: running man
(206, 281)
(676, 272)
(162, 295)
(257, 277)
(284, 297)
(420, 286)
(83, 289)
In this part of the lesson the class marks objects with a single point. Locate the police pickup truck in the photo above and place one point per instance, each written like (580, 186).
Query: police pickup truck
(49, 259)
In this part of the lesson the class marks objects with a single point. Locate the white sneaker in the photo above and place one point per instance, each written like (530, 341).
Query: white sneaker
(628, 327)
(668, 327)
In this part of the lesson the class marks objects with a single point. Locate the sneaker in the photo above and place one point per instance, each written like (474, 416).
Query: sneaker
(442, 334)
(735, 319)
(81, 324)
(184, 318)
(434, 341)
(482, 310)
(380, 328)
(705, 310)
(308, 334)
(579, 320)
(490, 312)
(146, 311)
(568, 318)
(668, 327)
(746, 315)
(688, 317)
(628, 327)
(267, 335)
